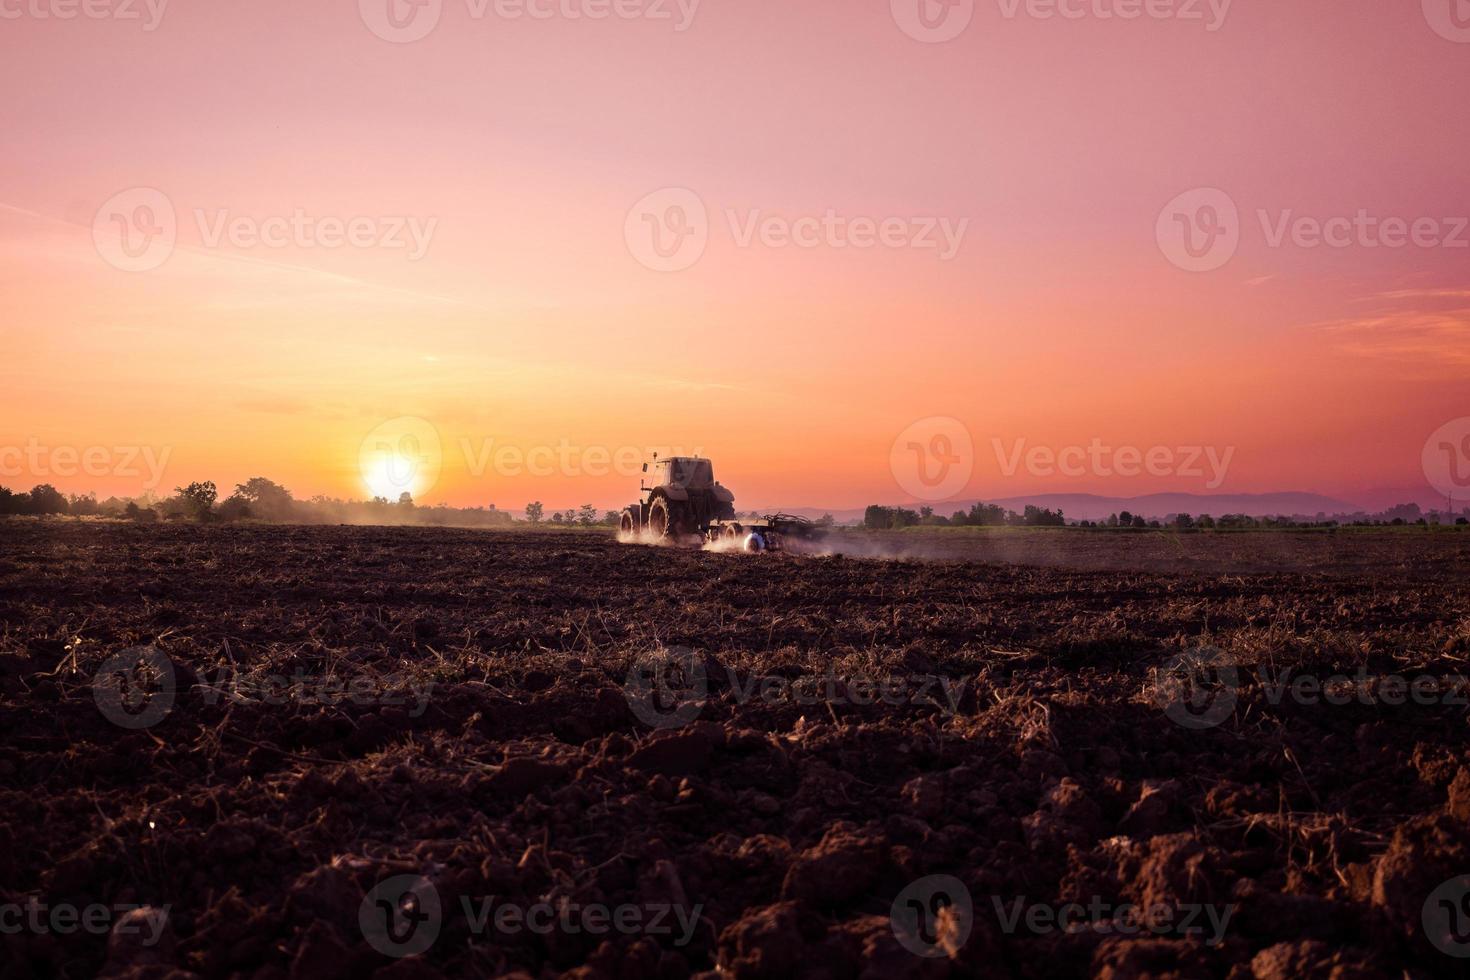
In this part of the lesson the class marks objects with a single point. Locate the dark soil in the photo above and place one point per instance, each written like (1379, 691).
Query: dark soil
(784, 825)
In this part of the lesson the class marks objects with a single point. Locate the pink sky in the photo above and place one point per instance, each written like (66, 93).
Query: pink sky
(520, 146)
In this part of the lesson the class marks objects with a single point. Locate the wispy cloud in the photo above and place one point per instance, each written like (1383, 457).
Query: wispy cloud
(1401, 294)
(1410, 334)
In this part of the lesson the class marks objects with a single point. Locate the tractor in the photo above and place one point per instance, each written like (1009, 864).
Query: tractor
(686, 503)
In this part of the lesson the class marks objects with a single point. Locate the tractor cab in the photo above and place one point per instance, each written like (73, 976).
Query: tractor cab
(682, 473)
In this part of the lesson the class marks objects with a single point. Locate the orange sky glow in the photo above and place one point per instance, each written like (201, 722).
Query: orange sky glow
(266, 239)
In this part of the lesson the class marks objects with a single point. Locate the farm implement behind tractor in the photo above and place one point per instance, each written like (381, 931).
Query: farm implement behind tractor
(686, 502)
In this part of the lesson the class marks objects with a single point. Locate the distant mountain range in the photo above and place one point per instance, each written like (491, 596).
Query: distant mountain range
(1092, 507)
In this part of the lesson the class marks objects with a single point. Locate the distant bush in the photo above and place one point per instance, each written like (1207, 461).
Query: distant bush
(877, 518)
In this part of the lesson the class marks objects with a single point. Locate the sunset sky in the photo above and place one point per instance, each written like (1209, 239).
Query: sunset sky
(524, 151)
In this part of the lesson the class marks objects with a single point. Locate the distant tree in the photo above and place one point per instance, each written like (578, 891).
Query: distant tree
(926, 512)
(1461, 521)
(1183, 521)
(983, 514)
(534, 510)
(959, 518)
(556, 518)
(879, 518)
(46, 499)
(198, 498)
(1040, 517)
(1206, 521)
(235, 508)
(1125, 519)
(612, 518)
(1137, 521)
(143, 515)
(265, 498)
(405, 499)
(826, 520)
(82, 505)
(587, 515)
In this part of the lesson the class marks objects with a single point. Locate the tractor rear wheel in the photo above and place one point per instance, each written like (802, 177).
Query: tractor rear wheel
(628, 525)
(666, 519)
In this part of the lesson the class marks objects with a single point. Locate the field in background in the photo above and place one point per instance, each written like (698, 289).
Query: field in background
(509, 745)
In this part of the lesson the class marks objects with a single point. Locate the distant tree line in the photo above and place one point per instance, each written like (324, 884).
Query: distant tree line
(879, 518)
(256, 499)
(584, 516)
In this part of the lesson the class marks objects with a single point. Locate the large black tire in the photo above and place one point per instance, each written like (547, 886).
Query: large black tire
(666, 519)
(628, 525)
